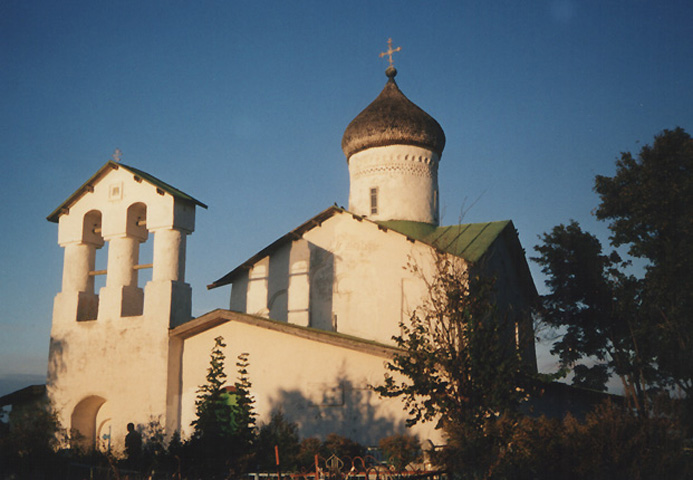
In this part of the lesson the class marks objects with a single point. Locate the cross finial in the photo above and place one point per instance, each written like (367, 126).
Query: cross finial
(390, 51)
(116, 155)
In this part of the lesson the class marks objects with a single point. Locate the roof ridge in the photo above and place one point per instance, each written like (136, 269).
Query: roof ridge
(101, 172)
(220, 315)
(158, 182)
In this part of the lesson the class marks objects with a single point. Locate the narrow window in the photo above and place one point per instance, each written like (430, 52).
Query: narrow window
(435, 205)
(374, 200)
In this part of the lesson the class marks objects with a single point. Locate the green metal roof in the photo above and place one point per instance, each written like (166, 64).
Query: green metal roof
(469, 241)
(88, 186)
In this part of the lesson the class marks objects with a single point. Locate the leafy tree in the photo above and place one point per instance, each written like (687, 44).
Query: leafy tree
(611, 443)
(343, 447)
(459, 363)
(595, 305)
(649, 204)
(284, 435)
(400, 450)
(307, 449)
(638, 328)
(28, 447)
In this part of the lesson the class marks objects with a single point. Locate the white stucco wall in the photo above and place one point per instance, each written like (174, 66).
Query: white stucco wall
(323, 387)
(406, 179)
(358, 279)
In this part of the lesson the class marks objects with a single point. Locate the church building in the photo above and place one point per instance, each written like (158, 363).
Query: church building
(315, 310)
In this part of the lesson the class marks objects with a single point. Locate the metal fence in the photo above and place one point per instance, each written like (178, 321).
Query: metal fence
(358, 468)
(80, 471)
(331, 468)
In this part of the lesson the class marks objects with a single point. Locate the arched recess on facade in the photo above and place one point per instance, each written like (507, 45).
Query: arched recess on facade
(83, 422)
(137, 221)
(92, 242)
(103, 428)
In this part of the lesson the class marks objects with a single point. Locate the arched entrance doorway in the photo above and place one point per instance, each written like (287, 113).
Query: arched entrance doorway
(103, 428)
(84, 431)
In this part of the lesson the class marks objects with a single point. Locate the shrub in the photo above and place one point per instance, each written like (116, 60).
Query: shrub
(400, 450)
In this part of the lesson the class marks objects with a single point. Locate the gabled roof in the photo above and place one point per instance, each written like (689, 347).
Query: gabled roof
(221, 316)
(88, 186)
(24, 395)
(294, 234)
(469, 241)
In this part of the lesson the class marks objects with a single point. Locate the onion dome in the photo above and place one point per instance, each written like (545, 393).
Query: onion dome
(392, 119)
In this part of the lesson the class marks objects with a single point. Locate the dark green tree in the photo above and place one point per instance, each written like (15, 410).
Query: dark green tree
(595, 306)
(224, 430)
(215, 415)
(284, 435)
(400, 450)
(341, 446)
(649, 206)
(637, 327)
(244, 411)
(29, 444)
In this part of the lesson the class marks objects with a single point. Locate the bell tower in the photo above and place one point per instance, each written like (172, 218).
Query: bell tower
(109, 353)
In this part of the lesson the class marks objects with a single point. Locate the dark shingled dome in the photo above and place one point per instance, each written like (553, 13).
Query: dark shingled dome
(392, 119)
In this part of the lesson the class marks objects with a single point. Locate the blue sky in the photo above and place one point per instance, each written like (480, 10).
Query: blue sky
(243, 105)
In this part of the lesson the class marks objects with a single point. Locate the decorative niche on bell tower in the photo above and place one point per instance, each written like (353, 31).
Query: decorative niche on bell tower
(393, 149)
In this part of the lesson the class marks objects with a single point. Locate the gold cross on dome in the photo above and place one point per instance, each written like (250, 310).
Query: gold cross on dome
(390, 51)
(116, 155)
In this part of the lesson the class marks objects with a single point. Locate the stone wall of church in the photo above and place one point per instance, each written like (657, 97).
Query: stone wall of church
(348, 275)
(323, 387)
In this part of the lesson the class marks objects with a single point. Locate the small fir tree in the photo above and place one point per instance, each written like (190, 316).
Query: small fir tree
(224, 430)
(214, 413)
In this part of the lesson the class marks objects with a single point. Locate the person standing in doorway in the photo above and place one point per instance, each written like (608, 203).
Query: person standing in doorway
(133, 446)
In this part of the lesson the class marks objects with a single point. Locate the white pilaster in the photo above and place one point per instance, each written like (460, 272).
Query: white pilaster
(299, 284)
(256, 303)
